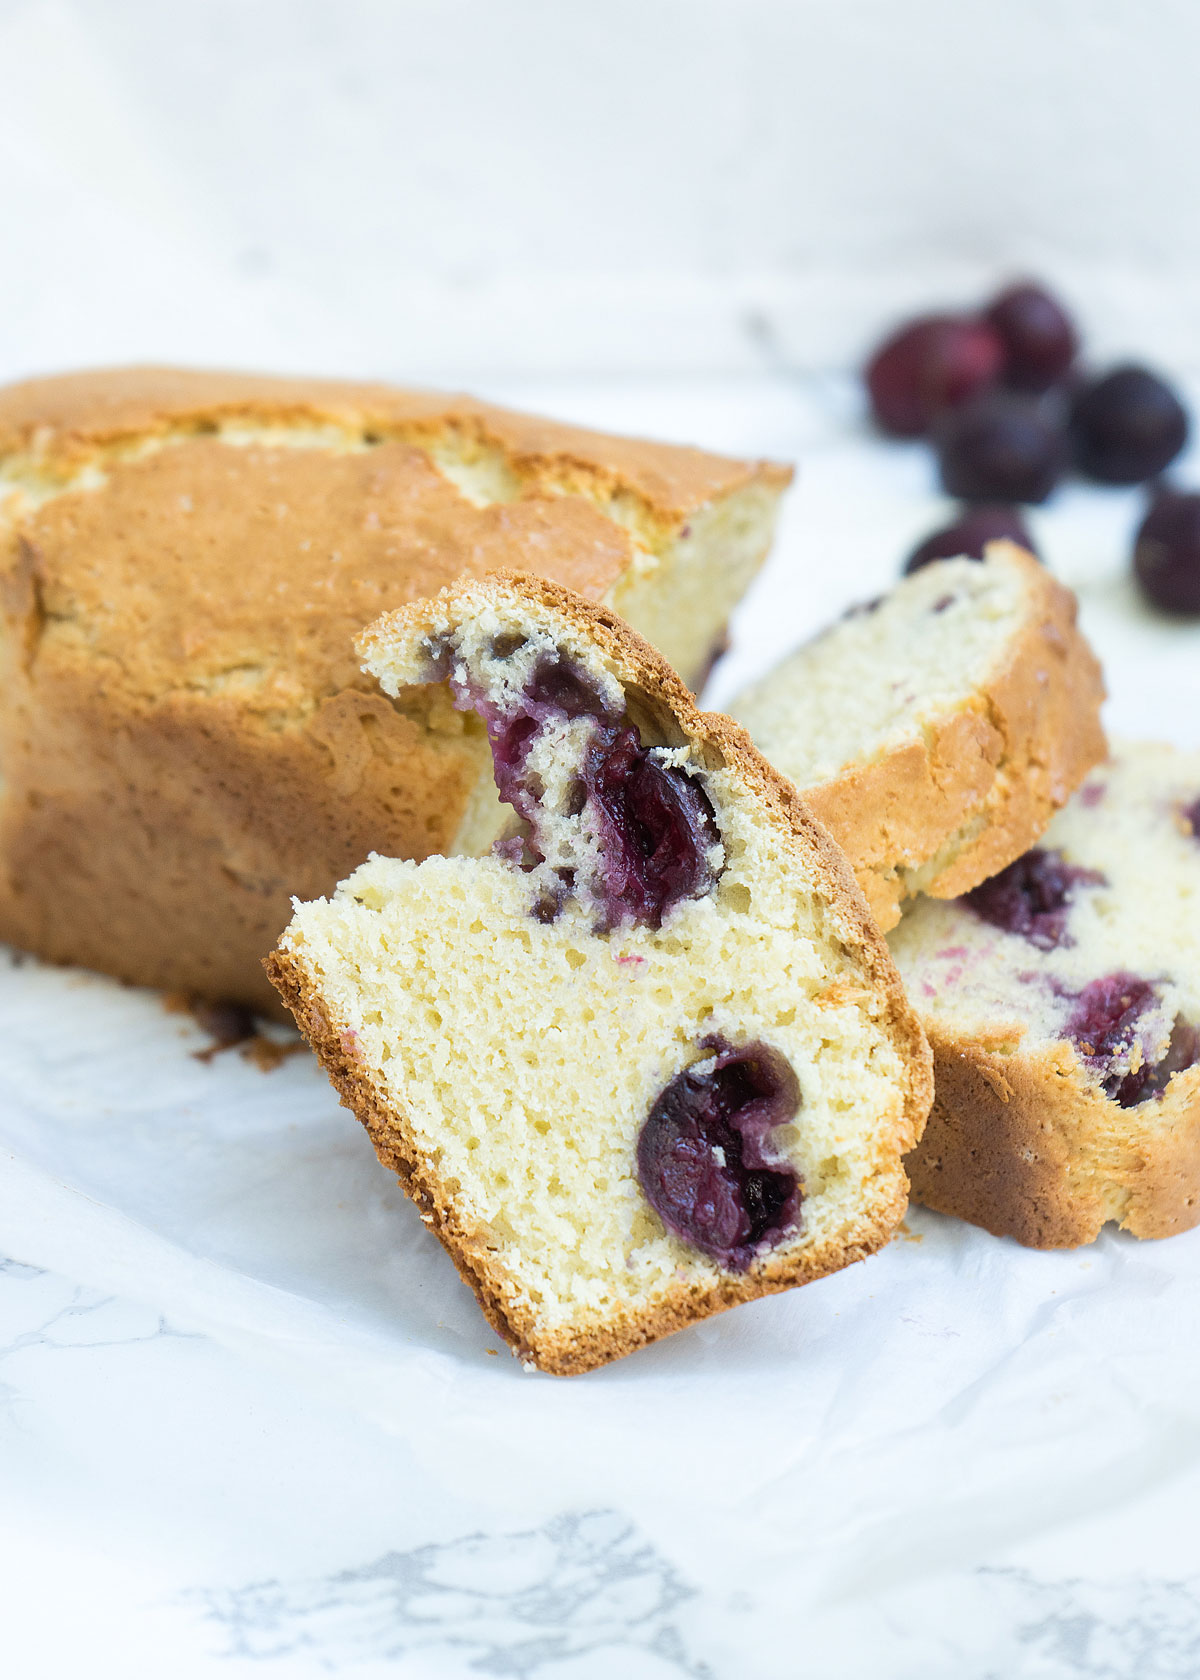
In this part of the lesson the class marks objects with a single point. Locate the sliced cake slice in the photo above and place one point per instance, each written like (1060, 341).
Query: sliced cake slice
(1062, 1000)
(936, 731)
(648, 1058)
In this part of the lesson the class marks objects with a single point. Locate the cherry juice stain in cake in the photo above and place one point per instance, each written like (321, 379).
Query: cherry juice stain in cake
(1032, 897)
(704, 1156)
(1103, 1026)
(1191, 817)
(654, 824)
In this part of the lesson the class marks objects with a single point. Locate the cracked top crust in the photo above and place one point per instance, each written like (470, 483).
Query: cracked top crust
(135, 497)
(67, 419)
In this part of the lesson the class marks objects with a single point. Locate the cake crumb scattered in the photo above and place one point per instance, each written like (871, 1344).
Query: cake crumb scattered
(232, 1026)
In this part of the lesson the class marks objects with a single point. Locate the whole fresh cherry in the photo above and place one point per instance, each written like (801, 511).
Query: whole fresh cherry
(969, 535)
(1126, 426)
(1038, 335)
(930, 365)
(1166, 554)
(1001, 448)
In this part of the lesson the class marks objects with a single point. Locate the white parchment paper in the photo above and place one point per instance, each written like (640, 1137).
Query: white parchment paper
(896, 1448)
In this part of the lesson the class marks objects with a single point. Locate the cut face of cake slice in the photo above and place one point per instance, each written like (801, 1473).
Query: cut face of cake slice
(650, 1057)
(936, 731)
(1062, 1000)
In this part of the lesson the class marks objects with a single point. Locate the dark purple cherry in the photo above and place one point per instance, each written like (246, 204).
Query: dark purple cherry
(1166, 554)
(930, 365)
(656, 828)
(560, 689)
(1032, 896)
(1152, 1078)
(1039, 336)
(1191, 816)
(1106, 1012)
(1102, 1025)
(1126, 426)
(969, 535)
(1001, 448)
(655, 824)
(704, 1156)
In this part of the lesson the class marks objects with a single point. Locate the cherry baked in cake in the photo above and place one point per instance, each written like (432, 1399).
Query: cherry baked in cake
(1062, 1000)
(649, 1057)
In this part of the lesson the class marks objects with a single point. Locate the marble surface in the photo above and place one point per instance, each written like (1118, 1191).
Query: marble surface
(251, 1423)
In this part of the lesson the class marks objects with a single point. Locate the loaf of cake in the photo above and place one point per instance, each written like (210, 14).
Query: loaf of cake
(186, 738)
(649, 1057)
(1062, 1000)
(936, 730)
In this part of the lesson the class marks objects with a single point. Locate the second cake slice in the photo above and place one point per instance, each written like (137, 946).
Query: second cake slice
(936, 731)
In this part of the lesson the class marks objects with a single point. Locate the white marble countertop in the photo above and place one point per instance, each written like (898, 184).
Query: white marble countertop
(251, 1423)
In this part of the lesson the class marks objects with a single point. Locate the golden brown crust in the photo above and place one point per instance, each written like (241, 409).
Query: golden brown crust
(186, 739)
(569, 1353)
(987, 778)
(720, 742)
(69, 417)
(1026, 1145)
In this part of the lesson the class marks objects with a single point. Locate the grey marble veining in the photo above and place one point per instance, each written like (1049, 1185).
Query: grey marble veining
(1127, 1628)
(41, 1312)
(584, 1584)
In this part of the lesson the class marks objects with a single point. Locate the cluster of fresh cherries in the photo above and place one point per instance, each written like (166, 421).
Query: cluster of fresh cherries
(1003, 401)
